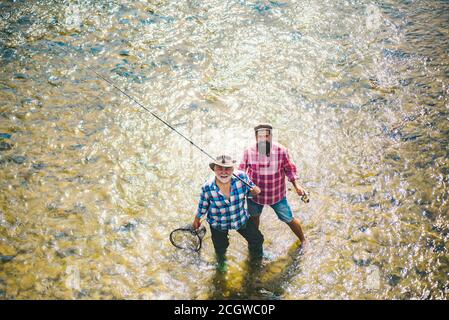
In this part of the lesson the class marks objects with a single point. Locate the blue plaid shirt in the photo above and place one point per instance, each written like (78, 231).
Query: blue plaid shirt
(224, 213)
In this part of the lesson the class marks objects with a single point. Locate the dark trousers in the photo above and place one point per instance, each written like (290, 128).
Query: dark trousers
(249, 231)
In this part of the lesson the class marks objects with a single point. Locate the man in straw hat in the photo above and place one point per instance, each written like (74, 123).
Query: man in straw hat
(267, 164)
(223, 200)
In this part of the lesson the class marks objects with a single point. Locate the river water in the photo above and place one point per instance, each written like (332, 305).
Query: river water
(91, 185)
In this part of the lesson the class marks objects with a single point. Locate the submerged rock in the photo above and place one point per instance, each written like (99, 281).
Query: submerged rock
(77, 209)
(61, 235)
(18, 159)
(393, 156)
(6, 258)
(393, 279)
(193, 106)
(443, 231)
(25, 20)
(21, 76)
(39, 165)
(130, 226)
(5, 146)
(55, 81)
(7, 54)
(97, 49)
(91, 159)
(67, 252)
(5, 136)
(76, 146)
(83, 293)
(410, 137)
(263, 7)
(436, 246)
(31, 103)
(421, 273)
(124, 53)
(428, 214)
(296, 35)
(362, 259)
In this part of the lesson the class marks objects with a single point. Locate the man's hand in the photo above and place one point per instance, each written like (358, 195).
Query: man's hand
(299, 190)
(255, 190)
(196, 223)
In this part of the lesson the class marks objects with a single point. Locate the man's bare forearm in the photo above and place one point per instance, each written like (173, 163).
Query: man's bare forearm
(299, 189)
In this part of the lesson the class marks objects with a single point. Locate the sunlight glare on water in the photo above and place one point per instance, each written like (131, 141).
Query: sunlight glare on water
(91, 185)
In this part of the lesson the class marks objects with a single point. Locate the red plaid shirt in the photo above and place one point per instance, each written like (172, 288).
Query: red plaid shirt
(268, 173)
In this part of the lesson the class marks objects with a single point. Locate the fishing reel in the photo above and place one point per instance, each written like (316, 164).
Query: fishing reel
(305, 198)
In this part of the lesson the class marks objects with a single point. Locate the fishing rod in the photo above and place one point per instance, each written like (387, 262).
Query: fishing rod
(110, 82)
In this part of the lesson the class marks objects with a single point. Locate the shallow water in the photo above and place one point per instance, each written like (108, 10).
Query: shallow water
(91, 185)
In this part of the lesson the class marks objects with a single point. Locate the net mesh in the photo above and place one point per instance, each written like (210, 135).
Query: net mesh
(188, 238)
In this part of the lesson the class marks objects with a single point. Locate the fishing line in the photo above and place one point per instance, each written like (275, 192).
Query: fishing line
(111, 83)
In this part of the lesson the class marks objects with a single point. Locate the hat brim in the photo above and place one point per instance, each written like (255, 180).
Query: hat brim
(228, 165)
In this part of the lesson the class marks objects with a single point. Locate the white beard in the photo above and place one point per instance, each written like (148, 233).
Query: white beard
(224, 181)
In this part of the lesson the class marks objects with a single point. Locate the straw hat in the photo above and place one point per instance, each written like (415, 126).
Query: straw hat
(223, 160)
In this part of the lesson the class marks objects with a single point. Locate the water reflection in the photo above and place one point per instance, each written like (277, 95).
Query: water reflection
(91, 186)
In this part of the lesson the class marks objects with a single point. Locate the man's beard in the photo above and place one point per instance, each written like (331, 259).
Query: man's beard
(224, 180)
(264, 148)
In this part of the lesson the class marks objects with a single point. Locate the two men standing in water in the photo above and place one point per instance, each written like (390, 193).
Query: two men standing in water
(264, 167)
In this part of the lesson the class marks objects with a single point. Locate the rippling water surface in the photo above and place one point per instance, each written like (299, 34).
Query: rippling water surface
(91, 185)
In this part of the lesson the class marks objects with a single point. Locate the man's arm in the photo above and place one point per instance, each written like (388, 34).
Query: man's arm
(255, 190)
(291, 173)
(203, 206)
(298, 188)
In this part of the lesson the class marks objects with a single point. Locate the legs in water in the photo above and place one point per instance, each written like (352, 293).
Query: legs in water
(296, 228)
(221, 242)
(254, 210)
(254, 238)
(294, 225)
(256, 221)
(249, 231)
(285, 214)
